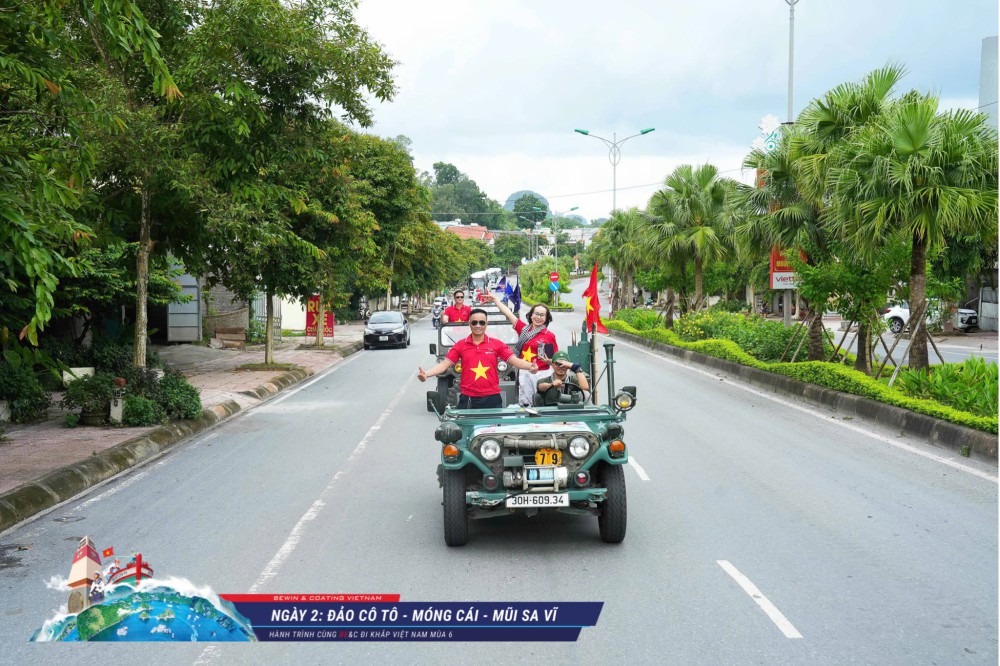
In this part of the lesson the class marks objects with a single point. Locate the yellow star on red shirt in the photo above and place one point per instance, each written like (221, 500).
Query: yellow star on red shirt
(528, 355)
(480, 371)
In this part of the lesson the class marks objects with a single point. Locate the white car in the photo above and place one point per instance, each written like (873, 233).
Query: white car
(442, 301)
(897, 315)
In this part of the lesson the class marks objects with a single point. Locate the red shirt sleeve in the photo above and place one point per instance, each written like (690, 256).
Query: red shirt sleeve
(454, 354)
(519, 326)
(503, 351)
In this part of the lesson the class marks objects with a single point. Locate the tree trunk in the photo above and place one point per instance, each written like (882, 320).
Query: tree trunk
(320, 322)
(815, 335)
(918, 294)
(697, 283)
(863, 362)
(268, 326)
(668, 311)
(628, 288)
(142, 282)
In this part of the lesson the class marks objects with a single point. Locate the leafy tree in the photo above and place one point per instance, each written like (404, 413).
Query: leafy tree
(44, 165)
(509, 249)
(265, 75)
(525, 210)
(447, 174)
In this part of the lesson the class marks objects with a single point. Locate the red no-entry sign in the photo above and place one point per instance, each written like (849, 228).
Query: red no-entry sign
(554, 276)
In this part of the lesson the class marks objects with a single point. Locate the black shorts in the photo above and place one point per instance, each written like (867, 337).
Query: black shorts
(479, 401)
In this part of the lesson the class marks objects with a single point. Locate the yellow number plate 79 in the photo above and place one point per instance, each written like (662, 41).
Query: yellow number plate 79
(548, 457)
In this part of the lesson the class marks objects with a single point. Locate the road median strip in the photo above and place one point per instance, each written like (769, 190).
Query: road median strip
(937, 431)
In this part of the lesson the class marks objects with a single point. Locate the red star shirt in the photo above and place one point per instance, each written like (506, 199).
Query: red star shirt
(458, 314)
(479, 365)
(530, 350)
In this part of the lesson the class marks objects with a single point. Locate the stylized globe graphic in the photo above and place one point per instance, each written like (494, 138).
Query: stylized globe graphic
(159, 613)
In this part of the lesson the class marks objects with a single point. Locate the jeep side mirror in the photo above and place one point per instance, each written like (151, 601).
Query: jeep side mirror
(630, 390)
(434, 349)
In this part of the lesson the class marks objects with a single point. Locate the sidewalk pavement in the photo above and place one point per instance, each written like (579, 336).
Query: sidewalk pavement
(45, 463)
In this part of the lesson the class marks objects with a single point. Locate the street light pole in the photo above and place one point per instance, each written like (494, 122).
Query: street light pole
(615, 156)
(786, 296)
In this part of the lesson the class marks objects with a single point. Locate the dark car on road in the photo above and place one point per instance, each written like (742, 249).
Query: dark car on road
(388, 328)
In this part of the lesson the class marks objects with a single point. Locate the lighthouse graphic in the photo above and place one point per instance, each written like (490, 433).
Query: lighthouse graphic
(86, 571)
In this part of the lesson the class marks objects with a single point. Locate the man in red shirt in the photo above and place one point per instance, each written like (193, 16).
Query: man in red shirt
(479, 355)
(458, 311)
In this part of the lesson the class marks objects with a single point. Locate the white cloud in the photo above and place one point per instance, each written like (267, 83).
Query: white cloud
(497, 88)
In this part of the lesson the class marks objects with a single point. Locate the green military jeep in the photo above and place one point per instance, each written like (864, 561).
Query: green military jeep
(566, 457)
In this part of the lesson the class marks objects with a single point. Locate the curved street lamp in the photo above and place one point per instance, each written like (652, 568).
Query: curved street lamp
(615, 156)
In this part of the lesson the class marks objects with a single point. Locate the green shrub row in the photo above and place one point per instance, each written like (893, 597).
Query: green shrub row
(830, 375)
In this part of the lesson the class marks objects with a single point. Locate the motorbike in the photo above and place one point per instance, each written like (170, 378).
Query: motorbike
(364, 312)
(436, 316)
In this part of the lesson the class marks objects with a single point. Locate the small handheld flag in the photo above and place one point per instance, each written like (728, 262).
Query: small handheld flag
(515, 298)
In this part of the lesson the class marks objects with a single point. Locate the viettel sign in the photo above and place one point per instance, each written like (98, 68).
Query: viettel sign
(783, 276)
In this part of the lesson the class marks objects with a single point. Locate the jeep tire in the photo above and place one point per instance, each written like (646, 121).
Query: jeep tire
(456, 514)
(613, 516)
(443, 384)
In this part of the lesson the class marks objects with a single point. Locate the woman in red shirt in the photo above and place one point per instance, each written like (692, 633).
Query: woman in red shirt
(530, 336)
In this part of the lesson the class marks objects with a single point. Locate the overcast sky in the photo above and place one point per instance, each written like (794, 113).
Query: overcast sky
(497, 87)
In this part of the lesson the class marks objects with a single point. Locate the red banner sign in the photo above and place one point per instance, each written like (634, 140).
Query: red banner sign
(312, 309)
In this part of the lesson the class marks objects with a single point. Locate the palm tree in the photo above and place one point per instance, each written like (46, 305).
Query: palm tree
(921, 175)
(775, 213)
(618, 244)
(822, 127)
(665, 246)
(698, 196)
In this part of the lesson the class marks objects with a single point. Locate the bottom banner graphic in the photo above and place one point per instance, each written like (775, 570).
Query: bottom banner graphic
(124, 601)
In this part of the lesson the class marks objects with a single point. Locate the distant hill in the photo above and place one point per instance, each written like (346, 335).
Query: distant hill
(509, 205)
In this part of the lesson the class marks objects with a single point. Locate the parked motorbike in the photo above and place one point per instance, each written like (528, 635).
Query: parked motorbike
(436, 316)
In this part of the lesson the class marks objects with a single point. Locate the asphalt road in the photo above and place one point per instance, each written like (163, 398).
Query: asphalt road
(760, 531)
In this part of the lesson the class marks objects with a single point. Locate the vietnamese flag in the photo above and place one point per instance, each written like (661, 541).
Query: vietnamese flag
(108, 552)
(593, 303)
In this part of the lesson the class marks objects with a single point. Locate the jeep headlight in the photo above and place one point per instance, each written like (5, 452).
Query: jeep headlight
(490, 449)
(624, 401)
(579, 447)
(502, 367)
(398, 330)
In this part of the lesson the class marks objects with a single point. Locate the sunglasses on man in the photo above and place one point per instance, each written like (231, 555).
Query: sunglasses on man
(477, 322)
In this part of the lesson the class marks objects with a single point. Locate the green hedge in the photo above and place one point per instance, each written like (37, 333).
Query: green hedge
(830, 375)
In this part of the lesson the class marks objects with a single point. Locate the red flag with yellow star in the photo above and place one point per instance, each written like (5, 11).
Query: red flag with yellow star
(593, 304)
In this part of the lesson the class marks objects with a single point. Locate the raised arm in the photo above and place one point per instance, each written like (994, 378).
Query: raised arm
(511, 317)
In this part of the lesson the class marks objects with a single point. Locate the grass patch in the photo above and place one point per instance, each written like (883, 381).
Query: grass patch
(291, 333)
(268, 366)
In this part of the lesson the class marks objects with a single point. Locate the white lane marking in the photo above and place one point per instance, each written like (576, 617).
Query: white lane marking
(108, 493)
(786, 627)
(638, 469)
(287, 548)
(274, 566)
(288, 394)
(951, 462)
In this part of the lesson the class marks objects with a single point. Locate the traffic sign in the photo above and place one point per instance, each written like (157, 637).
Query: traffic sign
(554, 286)
(554, 276)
